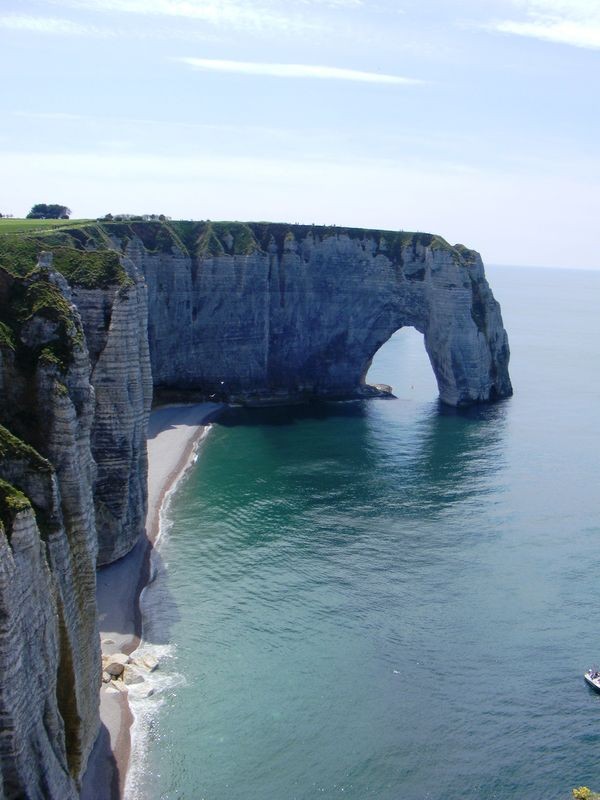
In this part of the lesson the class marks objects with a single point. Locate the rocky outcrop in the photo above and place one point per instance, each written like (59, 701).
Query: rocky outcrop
(289, 312)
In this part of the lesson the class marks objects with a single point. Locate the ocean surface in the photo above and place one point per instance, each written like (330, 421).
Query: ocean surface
(390, 599)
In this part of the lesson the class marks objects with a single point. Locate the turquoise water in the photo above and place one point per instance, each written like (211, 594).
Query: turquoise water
(390, 599)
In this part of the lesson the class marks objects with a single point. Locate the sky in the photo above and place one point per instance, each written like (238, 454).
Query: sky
(478, 120)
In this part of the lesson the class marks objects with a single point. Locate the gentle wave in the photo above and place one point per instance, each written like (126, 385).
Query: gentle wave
(158, 614)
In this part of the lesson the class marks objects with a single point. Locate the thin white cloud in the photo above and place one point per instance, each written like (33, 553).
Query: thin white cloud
(66, 27)
(294, 71)
(234, 14)
(49, 25)
(49, 115)
(559, 31)
(571, 22)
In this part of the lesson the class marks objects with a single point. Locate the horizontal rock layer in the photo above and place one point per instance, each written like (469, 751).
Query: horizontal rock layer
(300, 312)
(115, 321)
(49, 648)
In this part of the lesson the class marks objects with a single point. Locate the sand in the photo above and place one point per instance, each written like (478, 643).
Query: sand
(173, 433)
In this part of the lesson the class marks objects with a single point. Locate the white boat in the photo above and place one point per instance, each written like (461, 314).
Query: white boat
(592, 678)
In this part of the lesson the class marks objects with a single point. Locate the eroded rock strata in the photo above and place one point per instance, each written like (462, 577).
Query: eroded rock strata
(48, 625)
(115, 321)
(284, 313)
(90, 318)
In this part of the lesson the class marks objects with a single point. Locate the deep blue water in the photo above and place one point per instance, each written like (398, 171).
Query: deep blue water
(390, 599)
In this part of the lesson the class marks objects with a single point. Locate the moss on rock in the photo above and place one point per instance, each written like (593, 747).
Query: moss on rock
(13, 448)
(7, 336)
(24, 299)
(19, 254)
(12, 501)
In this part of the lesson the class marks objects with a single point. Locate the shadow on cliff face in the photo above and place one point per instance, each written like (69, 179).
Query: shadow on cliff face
(101, 780)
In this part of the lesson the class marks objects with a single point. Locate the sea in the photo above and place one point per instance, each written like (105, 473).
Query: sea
(390, 599)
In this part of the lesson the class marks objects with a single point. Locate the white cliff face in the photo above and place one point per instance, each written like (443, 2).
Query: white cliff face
(115, 322)
(304, 317)
(50, 559)
(32, 745)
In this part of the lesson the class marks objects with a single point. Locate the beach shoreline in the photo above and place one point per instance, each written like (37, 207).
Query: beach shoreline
(174, 433)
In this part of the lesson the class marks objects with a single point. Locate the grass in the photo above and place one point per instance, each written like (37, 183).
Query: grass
(83, 254)
(19, 254)
(37, 296)
(39, 225)
(90, 269)
(209, 243)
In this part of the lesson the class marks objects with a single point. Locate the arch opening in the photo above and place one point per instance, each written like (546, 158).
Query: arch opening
(402, 362)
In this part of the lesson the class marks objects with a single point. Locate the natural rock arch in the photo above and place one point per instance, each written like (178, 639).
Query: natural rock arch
(388, 368)
(301, 312)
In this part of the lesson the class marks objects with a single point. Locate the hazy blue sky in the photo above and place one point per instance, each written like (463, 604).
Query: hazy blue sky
(475, 119)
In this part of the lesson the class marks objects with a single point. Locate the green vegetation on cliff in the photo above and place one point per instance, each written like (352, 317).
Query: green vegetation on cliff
(82, 254)
(22, 300)
(95, 269)
(209, 243)
(213, 239)
(38, 225)
(7, 337)
(88, 253)
(11, 502)
(13, 448)
(19, 254)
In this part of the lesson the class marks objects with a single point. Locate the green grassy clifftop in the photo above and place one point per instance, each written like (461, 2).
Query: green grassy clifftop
(85, 251)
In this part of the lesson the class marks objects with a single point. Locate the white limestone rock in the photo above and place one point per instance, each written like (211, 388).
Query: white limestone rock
(304, 315)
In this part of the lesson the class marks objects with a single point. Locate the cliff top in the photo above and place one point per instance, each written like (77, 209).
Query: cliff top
(86, 251)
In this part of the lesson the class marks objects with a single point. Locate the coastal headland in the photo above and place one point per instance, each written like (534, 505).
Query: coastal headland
(97, 317)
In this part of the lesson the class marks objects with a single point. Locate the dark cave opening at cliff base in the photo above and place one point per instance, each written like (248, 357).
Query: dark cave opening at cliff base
(402, 363)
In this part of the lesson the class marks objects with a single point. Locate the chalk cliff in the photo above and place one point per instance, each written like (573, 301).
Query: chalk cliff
(115, 321)
(90, 319)
(49, 650)
(274, 312)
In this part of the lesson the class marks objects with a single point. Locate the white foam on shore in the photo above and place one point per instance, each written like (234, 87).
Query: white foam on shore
(158, 614)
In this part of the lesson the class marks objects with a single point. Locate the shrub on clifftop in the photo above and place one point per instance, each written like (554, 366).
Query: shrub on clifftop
(49, 211)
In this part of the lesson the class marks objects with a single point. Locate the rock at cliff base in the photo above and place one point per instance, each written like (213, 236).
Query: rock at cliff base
(149, 662)
(115, 669)
(131, 677)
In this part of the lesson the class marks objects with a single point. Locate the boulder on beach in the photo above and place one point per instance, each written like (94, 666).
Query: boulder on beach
(115, 669)
(149, 662)
(132, 676)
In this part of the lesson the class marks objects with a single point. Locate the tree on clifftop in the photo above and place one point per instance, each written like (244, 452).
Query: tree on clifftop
(52, 211)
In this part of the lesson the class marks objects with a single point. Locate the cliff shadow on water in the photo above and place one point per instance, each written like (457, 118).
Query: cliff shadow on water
(427, 457)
